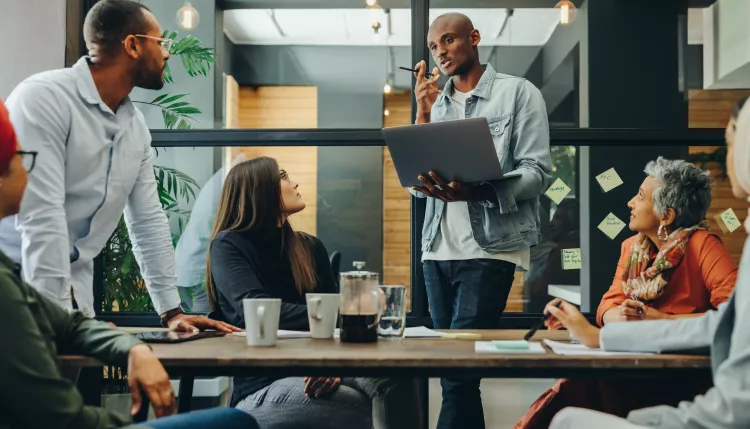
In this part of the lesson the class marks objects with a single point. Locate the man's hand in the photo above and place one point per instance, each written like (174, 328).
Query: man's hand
(319, 386)
(451, 192)
(187, 323)
(425, 91)
(146, 373)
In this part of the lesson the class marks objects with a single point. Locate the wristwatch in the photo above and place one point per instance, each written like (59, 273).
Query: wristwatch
(166, 317)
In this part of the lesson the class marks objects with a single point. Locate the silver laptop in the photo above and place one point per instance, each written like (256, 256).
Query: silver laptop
(458, 151)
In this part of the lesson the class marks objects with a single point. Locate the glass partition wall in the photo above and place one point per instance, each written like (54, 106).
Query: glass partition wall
(311, 83)
(351, 211)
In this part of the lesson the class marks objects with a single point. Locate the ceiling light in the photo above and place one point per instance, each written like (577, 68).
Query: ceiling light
(371, 2)
(387, 88)
(386, 112)
(187, 17)
(567, 11)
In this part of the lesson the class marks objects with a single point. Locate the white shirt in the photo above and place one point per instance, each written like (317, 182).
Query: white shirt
(92, 165)
(455, 241)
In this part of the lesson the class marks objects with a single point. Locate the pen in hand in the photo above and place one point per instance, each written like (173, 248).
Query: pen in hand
(426, 74)
(539, 324)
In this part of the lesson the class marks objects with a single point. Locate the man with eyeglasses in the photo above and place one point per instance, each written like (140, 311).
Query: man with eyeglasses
(95, 161)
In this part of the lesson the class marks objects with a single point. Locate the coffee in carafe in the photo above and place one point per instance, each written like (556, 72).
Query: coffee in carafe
(361, 306)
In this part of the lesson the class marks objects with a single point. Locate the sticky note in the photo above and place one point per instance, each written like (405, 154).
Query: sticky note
(511, 345)
(609, 180)
(611, 226)
(727, 221)
(462, 336)
(571, 259)
(558, 191)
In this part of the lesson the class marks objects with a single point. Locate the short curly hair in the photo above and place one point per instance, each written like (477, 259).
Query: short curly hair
(682, 187)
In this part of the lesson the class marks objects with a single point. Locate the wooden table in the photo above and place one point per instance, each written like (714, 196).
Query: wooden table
(230, 356)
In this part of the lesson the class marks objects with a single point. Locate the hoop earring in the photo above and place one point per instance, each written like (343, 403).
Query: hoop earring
(661, 230)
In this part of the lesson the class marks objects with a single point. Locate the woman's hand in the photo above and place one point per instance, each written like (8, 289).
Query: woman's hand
(568, 316)
(636, 310)
(319, 386)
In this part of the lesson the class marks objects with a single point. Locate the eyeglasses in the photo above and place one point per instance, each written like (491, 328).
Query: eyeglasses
(166, 44)
(28, 159)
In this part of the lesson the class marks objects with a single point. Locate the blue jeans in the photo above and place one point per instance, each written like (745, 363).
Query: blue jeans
(468, 294)
(224, 418)
(378, 403)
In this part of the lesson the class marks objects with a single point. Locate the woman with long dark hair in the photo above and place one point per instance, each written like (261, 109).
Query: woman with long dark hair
(255, 253)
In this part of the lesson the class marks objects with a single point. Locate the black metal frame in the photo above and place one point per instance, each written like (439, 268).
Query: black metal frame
(374, 137)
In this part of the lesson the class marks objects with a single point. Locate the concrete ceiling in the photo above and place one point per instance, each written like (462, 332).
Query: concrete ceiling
(387, 4)
(352, 27)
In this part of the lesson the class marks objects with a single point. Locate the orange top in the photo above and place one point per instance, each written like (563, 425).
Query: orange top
(703, 280)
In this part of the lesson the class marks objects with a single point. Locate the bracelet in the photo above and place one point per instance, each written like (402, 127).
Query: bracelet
(166, 317)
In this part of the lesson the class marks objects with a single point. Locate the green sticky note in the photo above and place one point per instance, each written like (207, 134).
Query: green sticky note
(611, 225)
(558, 191)
(609, 180)
(728, 221)
(571, 259)
(511, 345)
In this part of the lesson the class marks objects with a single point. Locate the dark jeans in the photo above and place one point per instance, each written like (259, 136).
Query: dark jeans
(467, 294)
(224, 418)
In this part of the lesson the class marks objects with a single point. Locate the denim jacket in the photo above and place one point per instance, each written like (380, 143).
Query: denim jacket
(517, 118)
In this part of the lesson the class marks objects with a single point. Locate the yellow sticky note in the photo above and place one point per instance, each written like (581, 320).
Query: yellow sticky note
(558, 191)
(609, 180)
(571, 259)
(727, 221)
(611, 226)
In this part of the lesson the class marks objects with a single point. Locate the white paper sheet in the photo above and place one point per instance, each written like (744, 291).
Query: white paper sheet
(281, 334)
(490, 347)
(568, 349)
(421, 332)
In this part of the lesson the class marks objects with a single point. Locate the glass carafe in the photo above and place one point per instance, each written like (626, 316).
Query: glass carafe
(361, 306)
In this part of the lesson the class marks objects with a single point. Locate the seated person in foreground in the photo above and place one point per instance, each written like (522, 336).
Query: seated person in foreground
(33, 392)
(255, 253)
(673, 268)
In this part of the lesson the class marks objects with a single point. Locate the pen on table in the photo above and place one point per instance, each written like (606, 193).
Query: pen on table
(426, 74)
(539, 324)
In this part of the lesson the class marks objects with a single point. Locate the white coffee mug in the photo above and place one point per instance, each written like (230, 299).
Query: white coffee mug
(261, 321)
(322, 312)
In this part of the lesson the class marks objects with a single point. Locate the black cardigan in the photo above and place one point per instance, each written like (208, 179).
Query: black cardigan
(252, 265)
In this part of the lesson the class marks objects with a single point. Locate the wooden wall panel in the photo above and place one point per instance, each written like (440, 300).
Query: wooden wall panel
(279, 107)
(285, 107)
(396, 202)
(712, 109)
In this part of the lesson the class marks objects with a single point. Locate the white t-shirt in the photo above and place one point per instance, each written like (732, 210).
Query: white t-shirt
(455, 242)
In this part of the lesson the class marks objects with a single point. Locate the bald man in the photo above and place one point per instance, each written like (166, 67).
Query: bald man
(475, 235)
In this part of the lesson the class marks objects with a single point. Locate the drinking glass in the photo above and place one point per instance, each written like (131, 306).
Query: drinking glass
(393, 320)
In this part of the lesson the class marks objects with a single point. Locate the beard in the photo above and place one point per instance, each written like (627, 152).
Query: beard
(149, 79)
(461, 69)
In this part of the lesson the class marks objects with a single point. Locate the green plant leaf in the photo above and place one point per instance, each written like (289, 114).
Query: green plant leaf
(159, 98)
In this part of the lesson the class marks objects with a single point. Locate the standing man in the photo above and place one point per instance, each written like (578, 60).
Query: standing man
(95, 161)
(475, 235)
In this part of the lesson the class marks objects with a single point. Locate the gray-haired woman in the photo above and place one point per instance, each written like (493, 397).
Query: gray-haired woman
(727, 404)
(673, 268)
